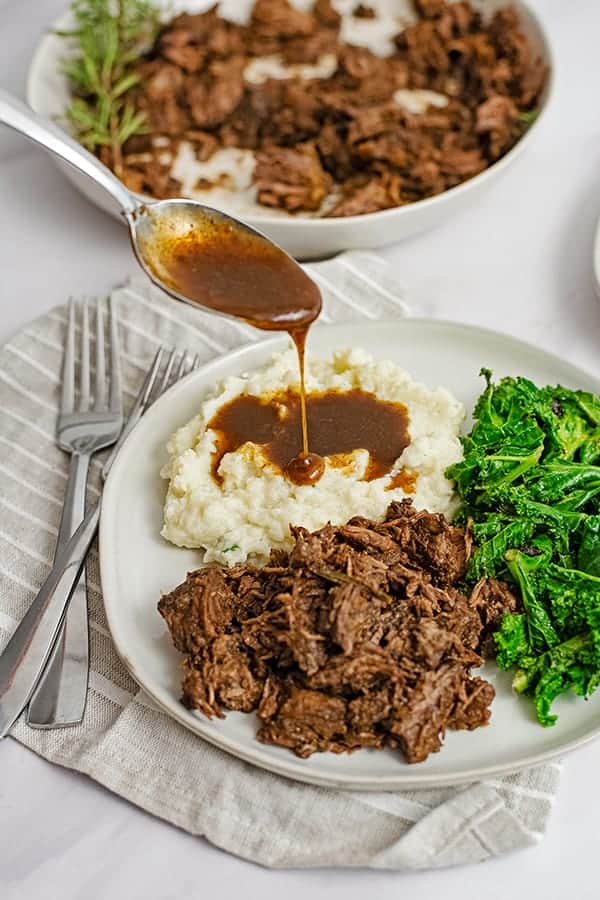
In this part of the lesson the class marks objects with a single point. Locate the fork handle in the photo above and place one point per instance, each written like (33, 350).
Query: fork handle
(74, 503)
(60, 695)
(24, 657)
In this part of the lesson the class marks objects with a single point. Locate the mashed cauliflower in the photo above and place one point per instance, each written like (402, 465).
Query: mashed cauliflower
(251, 510)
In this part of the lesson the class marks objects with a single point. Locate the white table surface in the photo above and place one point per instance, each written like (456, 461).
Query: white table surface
(520, 262)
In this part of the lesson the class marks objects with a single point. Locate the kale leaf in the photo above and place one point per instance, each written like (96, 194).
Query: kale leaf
(526, 569)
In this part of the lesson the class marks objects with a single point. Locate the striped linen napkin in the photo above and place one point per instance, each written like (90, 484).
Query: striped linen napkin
(125, 742)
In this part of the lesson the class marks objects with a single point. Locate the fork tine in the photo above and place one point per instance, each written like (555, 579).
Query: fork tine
(140, 406)
(182, 368)
(68, 378)
(196, 362)
(100, 361)
(150, 380)
(84, 385)
(164, 382)
(115, 359)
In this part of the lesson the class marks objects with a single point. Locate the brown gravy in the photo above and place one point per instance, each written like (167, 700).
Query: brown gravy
(239, 274)
(338, 423)
(405, 479)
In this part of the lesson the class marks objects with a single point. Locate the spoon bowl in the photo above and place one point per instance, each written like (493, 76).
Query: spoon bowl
(157, 228)
(207, 258)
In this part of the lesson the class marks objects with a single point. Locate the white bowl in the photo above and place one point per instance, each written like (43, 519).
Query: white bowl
(304, 237)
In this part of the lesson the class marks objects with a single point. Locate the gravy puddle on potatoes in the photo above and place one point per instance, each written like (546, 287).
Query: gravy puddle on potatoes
(338, 423)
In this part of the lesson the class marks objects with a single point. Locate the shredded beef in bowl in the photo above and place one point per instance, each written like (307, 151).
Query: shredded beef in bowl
(453, 95)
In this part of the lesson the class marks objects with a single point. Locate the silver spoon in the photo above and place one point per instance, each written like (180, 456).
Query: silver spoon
(148, 221)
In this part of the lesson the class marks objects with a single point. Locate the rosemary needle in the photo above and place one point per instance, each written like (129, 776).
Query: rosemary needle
(107, 39)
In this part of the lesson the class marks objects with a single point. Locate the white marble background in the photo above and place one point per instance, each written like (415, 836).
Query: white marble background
(520, 262)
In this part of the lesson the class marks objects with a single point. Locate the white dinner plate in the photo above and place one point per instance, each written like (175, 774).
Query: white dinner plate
(302, 236)
(137, 565)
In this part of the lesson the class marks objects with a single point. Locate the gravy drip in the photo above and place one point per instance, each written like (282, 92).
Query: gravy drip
(338, 423)
(240, 274)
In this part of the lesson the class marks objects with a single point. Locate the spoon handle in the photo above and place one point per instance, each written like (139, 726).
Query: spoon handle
(21, 118)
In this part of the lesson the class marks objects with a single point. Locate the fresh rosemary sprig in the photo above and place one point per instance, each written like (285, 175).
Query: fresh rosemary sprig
(107, 39)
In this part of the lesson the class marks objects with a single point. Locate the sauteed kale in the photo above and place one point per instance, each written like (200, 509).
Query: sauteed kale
(530, 484)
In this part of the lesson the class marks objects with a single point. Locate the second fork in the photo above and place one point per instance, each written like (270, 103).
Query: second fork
(29, 648)
(83, 428)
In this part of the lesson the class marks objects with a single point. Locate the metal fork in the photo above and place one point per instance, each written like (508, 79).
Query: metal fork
(83, 428)
(27, 652)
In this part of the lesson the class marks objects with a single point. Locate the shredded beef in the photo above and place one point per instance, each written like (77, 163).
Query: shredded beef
(362, 11)
(214, 96)
(306, 722)
(419, 720)
(341, 145)
(359, 637)
(222, 675)
(491, 599)
(291, 178)
(198, 610)
(498, 118)
(326, 15)
(368, 196)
